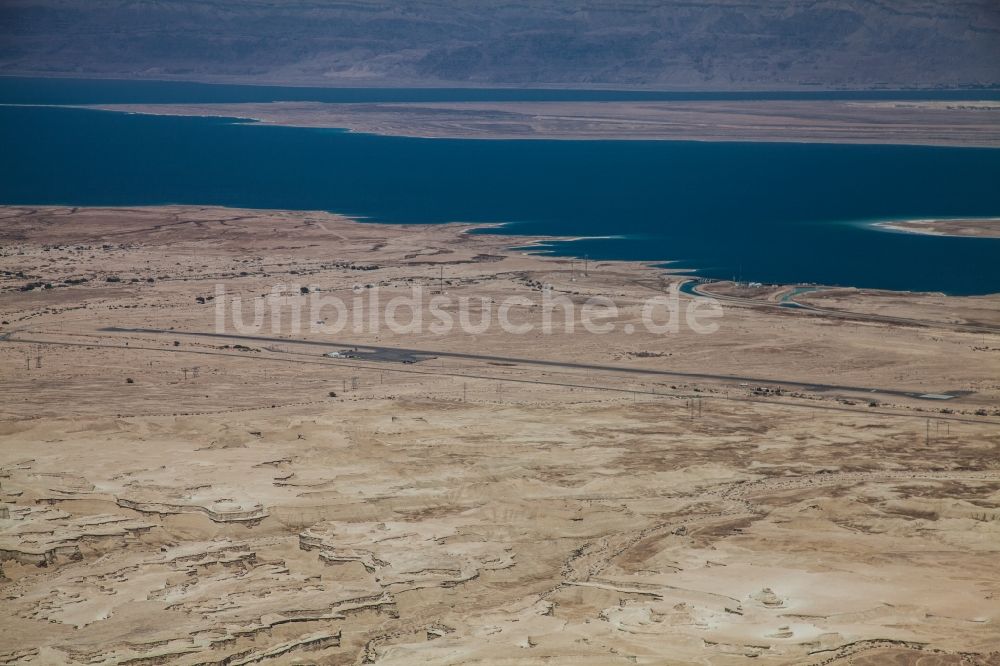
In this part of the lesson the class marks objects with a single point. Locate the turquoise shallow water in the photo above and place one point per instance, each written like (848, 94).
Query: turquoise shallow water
(784, 213)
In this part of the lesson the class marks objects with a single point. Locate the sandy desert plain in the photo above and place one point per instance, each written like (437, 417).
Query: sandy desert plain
(776, 492)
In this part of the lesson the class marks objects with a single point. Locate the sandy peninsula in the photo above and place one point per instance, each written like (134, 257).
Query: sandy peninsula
(974, 227)
(971, 123)
(814, 485)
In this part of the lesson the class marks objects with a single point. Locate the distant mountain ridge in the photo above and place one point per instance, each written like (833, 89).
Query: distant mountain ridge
(712, 44)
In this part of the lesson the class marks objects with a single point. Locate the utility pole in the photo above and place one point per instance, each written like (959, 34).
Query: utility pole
(464, 386)
(442, 279)
(927, 435)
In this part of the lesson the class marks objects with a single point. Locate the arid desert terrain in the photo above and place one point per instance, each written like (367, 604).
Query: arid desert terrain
(814, 484)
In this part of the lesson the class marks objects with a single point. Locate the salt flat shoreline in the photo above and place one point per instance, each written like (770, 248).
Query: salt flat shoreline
(530, 245)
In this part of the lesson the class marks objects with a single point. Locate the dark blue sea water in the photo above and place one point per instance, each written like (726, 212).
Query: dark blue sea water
(765, 212)
(18, 90)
